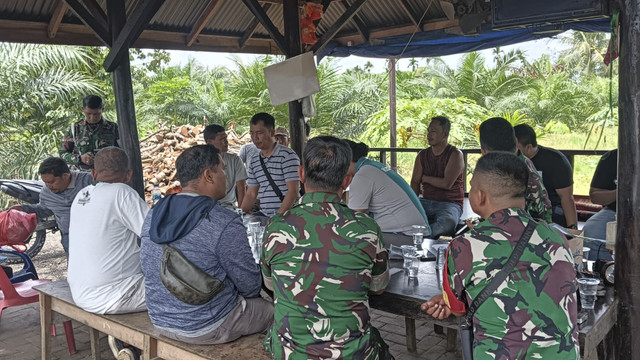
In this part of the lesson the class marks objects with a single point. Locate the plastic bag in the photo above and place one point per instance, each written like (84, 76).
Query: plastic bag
(15, 228)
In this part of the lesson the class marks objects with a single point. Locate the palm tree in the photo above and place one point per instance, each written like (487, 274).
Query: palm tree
(40, 91)
(585, 54)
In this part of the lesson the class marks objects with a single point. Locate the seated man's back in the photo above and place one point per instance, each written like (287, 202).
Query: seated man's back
(532, 314)
(213, 239)
(104, 263)
(322, 259)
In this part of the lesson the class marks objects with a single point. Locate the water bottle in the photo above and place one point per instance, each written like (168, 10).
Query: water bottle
(156, 195)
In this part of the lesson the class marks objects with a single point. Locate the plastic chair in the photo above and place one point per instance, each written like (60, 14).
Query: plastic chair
(28, 271)
(22, 293)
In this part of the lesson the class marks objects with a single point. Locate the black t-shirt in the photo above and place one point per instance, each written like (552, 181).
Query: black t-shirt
(555, 171)
(606, 175)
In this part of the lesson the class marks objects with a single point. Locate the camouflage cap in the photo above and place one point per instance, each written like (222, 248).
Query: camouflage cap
(281, 130)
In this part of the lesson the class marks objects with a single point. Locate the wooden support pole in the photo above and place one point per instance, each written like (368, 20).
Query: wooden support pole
(264, 19)
(392, 113)
(291, 17)
(123, 91)
(627, 255)
(130, 31)
(335, 28)
(97, 11)
(248, 33)
(56, 19)
(202, 21)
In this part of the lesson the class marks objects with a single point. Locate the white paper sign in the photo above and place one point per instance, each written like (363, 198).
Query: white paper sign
(292, 79)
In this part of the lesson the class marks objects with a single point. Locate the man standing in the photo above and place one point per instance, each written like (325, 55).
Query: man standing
(603, 191)
(61, 187)
(556, 173)
(282, 136)
(213, 239)
(322, 260)
(84, 138)
(106, 219)
(533, 312)
(273, 173)
(496, 134)
(234, 168)
(437, 173)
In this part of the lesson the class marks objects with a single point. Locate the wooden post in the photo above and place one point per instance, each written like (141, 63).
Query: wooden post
(291, 17)
(392, 113)
(123, 91)
(627, 282)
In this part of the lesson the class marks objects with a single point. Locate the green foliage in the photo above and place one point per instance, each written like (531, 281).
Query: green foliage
(413, 117)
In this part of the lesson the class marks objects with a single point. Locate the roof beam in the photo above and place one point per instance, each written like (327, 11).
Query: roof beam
(264, 19)
(405, 7)
(136, 23)
(203, 20)
(355, 39)
(56, 19)
(95, 9)
(333, 30)
(248, 33)
(89, 20)
(360, 25)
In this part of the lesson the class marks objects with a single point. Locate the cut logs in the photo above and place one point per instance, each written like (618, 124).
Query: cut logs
(161, 147)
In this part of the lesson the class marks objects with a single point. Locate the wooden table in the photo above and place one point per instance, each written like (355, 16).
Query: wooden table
(404, 297)
(599, 323)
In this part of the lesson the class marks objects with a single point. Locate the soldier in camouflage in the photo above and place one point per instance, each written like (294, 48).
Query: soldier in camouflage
(322, 261)
(533, 314)
(84, 138)
(496, 134)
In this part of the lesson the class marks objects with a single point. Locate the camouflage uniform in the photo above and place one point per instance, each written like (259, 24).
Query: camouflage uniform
(322, 259)
(533, 313)
(537, 200)
(82, 137)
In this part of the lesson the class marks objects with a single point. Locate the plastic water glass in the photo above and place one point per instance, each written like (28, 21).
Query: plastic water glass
(588, 292)
(253, 227)
(418, 234)
(585, 258)
(412, 261)
(407, 250)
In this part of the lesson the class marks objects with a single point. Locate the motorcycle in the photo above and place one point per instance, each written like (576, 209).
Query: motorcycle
(28, 191)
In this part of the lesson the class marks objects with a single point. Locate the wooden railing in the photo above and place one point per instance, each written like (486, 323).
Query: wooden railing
(570, 154)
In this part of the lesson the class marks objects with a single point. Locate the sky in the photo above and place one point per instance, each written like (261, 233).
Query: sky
(533, 50)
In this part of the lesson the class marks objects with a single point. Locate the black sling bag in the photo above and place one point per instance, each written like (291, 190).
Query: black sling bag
(275, 188)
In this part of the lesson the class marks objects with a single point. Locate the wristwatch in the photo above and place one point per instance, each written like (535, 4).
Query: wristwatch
(574, 227)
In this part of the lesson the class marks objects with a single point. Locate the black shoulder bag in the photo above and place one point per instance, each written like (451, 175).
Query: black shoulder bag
(275, 187)
(466, 323)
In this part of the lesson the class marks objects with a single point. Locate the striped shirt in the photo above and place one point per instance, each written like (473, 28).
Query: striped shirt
(282, 165)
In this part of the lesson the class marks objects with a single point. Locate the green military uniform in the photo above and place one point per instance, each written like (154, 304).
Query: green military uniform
(537, 201)
(533, 314)
(322, 259)
(83, 137)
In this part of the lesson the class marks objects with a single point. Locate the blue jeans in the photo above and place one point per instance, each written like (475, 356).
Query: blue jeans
(596, 227)
(443, 216)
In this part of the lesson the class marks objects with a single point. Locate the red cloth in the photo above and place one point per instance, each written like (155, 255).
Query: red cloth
(16, 227)
(447, 293)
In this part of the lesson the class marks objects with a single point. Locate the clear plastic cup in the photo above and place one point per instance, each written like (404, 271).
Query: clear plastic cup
(412, 260)
(588, 292)
(407, 250)
(418, 232)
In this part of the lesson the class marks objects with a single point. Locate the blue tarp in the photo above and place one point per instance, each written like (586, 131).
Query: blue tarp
(440, 43)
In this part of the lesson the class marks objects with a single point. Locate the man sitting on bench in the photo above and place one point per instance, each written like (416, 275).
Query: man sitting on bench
(211, 238)
(104, 271)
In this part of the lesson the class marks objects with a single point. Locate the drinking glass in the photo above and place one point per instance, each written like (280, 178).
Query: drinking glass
(407, 250)
(418, 234)
(588, 290)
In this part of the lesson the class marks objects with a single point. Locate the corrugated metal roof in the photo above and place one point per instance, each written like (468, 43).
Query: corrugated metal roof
(232, 17)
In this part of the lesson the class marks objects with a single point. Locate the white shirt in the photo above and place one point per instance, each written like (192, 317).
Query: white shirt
(104, 261)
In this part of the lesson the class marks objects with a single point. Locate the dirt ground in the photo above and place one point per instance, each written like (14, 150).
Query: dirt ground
(51, 261)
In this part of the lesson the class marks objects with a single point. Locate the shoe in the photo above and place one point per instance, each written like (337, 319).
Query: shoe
(122, 352)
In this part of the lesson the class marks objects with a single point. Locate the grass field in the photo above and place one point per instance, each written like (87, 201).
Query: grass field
(584, 165)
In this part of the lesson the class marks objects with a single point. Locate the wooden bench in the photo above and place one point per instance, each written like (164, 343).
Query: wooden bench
(137, 330)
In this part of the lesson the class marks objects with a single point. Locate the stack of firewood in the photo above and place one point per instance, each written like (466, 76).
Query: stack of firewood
(160, 149)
